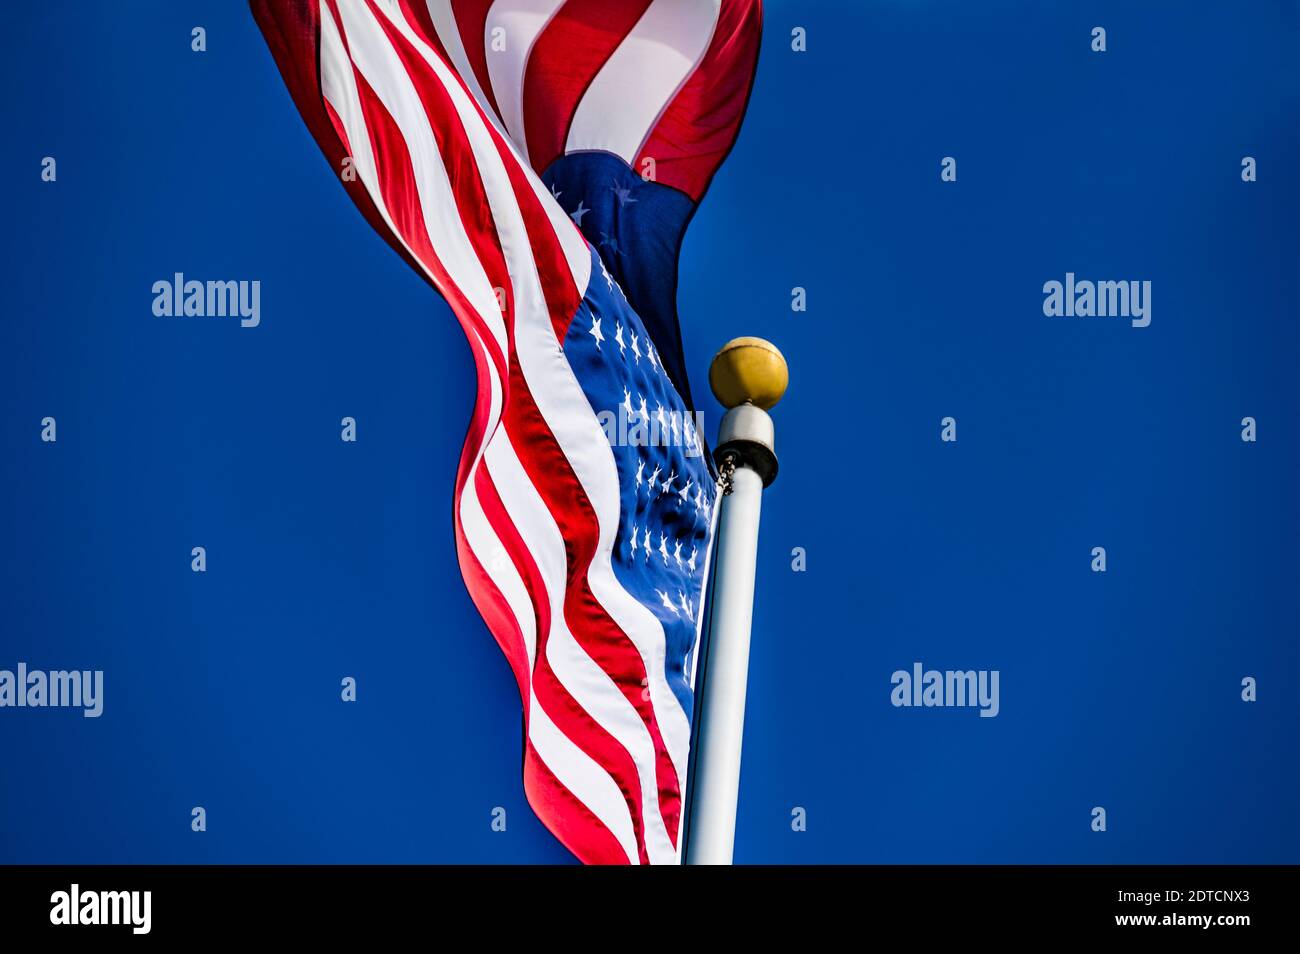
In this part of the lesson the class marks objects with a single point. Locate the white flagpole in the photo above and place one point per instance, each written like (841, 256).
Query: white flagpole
(748, 376)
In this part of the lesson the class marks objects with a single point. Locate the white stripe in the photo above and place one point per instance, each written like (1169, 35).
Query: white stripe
(642, 627)
(571, 240)
(699, 625)
(577, 772)
(571, 766)
(457, 254)
(444, 23)
(521, 23)
(629, 94)
(438, 207)
(556, 391)
(580, 675)
(492, 554)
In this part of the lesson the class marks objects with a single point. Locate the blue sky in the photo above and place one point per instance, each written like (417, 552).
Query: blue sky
(1119, 690)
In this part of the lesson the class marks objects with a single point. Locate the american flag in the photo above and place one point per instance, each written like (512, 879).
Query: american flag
(537, 161)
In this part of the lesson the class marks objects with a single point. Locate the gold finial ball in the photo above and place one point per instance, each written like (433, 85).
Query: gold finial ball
(748, 371)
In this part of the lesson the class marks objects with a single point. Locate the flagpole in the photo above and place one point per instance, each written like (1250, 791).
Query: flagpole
(748, 376)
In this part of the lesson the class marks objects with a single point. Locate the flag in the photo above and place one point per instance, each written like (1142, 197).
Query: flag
(501, 148)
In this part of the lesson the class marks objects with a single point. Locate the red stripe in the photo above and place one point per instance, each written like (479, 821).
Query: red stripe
(565, 59)
(416, 13)
(401, 199)
(563, 813)
(700, 125)
(471, 20)
(397, 185)
(567, 817)
(599, 635)
(548, 468)
(292, 33)
(561, 295)
(492, 604)
(565, 711)
(552, 474)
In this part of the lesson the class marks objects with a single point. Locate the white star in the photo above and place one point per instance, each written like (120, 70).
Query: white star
(650, 353)
(686, 605)
(609, 279)
(654, 477)
(645, 544)
(668, 484)
(690, 561)
(627, 405)
(675, 426)
(578, 213)
(640, 469)
(636, 350)
(644, 414)
(623, 194)
(685, 492)
(663, 546)
(659, 417)
(677, 553)
(634, 539)
(664, 598)
(618, 337)
(701, 502)
(595, 331)
(554, 192)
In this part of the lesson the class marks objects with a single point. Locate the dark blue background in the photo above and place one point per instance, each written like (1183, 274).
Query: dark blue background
(328, 559)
